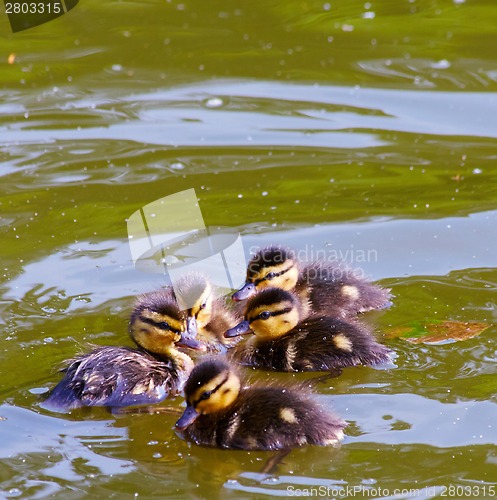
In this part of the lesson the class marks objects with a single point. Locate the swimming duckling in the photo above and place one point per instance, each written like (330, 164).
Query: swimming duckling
(220, 412)
(121, 376)
(207, 314)
(282, 342)
(323, 287)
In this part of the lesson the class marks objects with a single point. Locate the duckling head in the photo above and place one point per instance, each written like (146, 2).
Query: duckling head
(270, 314)
(157, 324)
(213, 386)
(270, 267)
(195, 297)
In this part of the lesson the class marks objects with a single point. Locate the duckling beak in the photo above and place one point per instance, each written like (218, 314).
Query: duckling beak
(191, 342)
(240, 329)
(245, 292)
(188, 337)
(189, 416)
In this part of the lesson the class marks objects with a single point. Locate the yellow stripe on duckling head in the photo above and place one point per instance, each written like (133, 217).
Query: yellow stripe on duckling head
(212, 386)
(284, 276)
(155, 332)
(273, 267)
(272, 313)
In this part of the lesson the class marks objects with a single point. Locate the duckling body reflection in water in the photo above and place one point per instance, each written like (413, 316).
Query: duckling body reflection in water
(121, 376)
(220, 412)
(327, 288)
(319, 343)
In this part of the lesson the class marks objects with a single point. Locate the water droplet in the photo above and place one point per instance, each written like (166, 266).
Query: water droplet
(442, 64)
(214, 102)
(177, 166)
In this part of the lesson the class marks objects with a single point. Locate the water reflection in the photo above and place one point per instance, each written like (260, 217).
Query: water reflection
(43, 452)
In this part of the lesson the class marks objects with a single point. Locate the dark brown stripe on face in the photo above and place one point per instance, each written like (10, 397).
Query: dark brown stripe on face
(273, 275)
(162, 325)
(270, 314)
(203, 397)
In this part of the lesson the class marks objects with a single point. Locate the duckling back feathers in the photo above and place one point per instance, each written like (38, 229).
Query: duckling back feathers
(267, 418)
(324, 287)
(282, 342)
(335, 290)
(260, 418)
(316, 344)
(115, 377)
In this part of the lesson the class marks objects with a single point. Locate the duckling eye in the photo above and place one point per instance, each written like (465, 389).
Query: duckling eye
(203, 305)
(205, 395)
(265, 315)
(164, 325)
(270, 276)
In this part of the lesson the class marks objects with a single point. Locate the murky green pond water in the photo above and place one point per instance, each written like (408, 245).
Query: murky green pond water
(367, 129)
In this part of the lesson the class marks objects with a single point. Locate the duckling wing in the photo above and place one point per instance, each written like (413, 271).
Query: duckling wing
(276, 418)
(113, 376)
(323, 343)
(338, 291)
(273, 355)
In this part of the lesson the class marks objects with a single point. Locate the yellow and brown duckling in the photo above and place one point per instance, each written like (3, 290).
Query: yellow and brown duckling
(221, 412)
(283, 342)
(323, 287)
(121, 376)
(207, 314)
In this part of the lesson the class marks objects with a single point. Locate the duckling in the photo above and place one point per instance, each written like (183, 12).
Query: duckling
(283, 342)
(324, 287)
(207, 314)
(220, 412)
(121, 376)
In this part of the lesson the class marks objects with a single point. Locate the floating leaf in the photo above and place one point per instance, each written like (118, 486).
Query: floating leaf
(437, 331)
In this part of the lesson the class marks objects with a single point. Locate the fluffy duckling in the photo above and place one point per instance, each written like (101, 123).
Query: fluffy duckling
(282, 342)
(220, 412)
(323, 287)
(207, 314)
(121, 376)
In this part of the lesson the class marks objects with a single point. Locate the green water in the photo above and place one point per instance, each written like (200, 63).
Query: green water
(363, 129)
